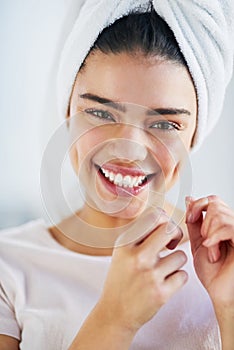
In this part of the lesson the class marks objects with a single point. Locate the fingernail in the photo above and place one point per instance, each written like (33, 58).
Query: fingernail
(172, 244)
(211, 256)
(188, 200)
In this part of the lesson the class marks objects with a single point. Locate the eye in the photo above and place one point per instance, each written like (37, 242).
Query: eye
(166, 126)
(101, 114)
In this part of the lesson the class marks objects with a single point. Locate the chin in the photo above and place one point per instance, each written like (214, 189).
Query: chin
(122, 209)
(129, 213)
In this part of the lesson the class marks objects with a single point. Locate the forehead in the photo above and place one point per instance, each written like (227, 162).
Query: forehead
(136, 79)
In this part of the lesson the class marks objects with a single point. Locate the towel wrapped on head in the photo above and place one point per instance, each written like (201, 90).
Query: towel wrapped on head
(204, 32)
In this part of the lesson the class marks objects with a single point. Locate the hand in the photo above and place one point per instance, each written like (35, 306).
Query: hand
(139, 281)
(212, 243)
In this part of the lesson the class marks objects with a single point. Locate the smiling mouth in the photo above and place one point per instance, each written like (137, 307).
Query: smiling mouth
(125, 178)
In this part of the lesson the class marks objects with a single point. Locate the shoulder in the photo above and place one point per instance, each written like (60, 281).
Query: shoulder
(26, 233)
(20, 244)
(22, 248)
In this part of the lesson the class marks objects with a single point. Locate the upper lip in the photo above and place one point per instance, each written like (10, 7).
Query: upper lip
(124, 169)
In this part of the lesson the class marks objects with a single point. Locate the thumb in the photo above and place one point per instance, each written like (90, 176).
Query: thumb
(136, 231)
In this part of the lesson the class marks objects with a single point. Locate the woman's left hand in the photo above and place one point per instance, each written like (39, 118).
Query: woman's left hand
(210, 224)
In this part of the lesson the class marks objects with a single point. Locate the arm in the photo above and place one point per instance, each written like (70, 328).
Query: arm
(212, 243)
(226, 323)
(138, 283)
(8, 343)
(99, 333)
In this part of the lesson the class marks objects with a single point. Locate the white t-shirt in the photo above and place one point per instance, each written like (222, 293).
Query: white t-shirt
(46, 292)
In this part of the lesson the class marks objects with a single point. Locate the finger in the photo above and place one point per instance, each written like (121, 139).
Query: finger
(137, 231)
(157, 241)
(214, 253)
(196, 207)
(175, 281)
(174, 242)
(194, 230)
(170, 263)
(216, 216)
(172, 227)
(220, 235)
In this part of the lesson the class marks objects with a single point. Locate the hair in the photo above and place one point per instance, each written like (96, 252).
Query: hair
(146, 33)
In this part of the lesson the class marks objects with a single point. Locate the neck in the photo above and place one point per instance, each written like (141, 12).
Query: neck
(91, 232)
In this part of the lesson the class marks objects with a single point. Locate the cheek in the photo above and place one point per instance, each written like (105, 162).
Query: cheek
(165, 160)
(89, 143)
(170, 155)
(169, 152)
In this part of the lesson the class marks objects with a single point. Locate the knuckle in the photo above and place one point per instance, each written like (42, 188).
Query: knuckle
(222, 218)
(215, 208)
(140, 261)
(213, 198)
(161, 294)
(226, 226)
(216, 200)
(218, 220)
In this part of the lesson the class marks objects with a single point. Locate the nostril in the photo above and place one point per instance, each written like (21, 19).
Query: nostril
(127, 149)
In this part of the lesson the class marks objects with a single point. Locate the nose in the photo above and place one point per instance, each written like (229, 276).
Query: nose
(129, 143)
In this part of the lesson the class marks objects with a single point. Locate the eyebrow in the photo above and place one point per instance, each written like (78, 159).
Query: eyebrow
(116, 105)
(122, 108)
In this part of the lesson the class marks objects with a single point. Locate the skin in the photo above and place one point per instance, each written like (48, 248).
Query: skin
(211, 230)
(137, 273)
(8, 343)
(146, 276)
(150, 151)
(129, 141)
(139, 281)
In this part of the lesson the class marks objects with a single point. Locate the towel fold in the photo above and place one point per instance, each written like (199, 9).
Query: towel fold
(203, 29)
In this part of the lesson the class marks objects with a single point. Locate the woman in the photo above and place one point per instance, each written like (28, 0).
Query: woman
(111, 276)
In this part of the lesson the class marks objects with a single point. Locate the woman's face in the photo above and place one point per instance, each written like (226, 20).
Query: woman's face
(134, 120)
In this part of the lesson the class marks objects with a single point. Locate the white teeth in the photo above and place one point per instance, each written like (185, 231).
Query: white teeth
(134, 181)
(118, 180)
(106, 173)
(125, 181)
(140, 179)
(111, 176)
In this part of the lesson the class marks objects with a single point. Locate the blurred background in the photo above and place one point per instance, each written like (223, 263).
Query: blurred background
(31, 34)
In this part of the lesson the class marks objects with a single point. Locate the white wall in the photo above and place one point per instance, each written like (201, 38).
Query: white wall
(29, 39)
(30, 35)
(213, 164)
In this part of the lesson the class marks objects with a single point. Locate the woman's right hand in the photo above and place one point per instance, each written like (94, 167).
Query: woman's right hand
(139, 281)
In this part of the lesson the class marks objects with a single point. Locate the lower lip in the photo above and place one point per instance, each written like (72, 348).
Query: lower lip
(121, 191)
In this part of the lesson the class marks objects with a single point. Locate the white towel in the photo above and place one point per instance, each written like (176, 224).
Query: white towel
(203, 29)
